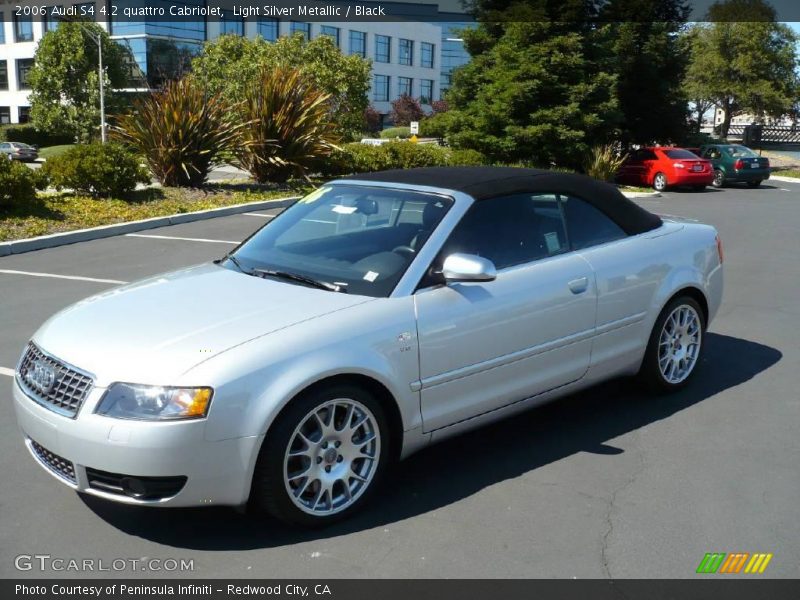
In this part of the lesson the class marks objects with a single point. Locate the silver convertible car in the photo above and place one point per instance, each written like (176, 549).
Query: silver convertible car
(377, 315)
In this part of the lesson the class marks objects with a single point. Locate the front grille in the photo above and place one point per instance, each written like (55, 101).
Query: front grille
(58, 465)
(68, 389)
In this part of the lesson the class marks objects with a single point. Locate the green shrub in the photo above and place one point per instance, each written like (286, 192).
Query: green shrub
(28, 134)
(396, 132)
(181, 131)
(16, 183)
(97, 170)
(466, 158)
(364, 158)
(435, 126)
(289, 127)
(603, 162)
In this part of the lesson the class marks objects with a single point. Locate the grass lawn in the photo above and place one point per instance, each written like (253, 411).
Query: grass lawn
(787, 173)
(51, 151)
(635, 188)
(53, 213)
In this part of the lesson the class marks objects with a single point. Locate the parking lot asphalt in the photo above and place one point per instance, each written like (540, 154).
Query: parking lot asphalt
(608, 482)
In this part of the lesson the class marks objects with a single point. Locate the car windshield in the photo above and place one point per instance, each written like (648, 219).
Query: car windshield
(680, 153)
(740, 152)
(360, 238)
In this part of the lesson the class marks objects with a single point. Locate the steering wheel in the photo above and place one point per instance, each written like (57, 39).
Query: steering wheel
(405, 250)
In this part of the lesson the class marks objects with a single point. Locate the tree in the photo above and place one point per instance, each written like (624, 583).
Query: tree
(744, 66)
(534, 91)
(649, 60)
(405, 109)
(231, 64)
(64, 81)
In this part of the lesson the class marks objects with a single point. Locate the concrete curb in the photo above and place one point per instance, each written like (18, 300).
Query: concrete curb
(104, 231)
(641, 194)
(782, 178)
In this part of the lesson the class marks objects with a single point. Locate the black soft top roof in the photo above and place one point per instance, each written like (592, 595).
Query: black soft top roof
(489, 182)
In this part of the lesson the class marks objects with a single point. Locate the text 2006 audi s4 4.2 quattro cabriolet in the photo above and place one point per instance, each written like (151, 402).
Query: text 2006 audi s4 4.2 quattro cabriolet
(377, 315)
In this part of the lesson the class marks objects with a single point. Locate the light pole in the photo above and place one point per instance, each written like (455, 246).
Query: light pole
(99, 41)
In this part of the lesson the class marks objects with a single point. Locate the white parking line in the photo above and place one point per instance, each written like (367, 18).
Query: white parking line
(56, 276)
(6, 371)
(182, 239)
(259, 215)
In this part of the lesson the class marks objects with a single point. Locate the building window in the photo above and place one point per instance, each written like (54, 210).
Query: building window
(406, 52)
(427, 55)
(383, 48)
(426, 91)
(228, 23)
(23, 29)
(268, 29)
(358, 43)
(332, 32)
(404, 86)
(5, 115)
(3, 74)
(380, 92)
(304, 28)
(24, 113)
(24, 66)
(2, 29)
(51, 19)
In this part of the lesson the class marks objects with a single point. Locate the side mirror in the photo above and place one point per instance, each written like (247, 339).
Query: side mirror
(468, 267)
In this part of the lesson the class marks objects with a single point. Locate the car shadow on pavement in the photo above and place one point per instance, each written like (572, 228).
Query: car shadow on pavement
(444, 473)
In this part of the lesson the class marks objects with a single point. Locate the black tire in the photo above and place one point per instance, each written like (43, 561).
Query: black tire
(660, 182)
(650, 374)
(719, 178)
(754, 184)
(269, 490)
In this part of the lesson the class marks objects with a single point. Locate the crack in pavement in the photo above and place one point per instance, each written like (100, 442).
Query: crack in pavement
(611, 504)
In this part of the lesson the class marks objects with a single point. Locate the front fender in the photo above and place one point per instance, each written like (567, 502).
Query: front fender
(254, 381)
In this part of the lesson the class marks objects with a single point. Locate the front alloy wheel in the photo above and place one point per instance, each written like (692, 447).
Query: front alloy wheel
(719, 178)
(323, 456)
(332, 457)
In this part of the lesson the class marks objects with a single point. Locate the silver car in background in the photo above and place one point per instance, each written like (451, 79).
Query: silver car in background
(377, 315)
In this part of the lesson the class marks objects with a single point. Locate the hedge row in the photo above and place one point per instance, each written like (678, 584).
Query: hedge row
(364, 158)
(28, 134)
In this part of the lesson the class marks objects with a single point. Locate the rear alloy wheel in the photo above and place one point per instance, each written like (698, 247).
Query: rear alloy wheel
(675, 345)
(719, 178)
(660, 182)
(323, 457)
(754, 184)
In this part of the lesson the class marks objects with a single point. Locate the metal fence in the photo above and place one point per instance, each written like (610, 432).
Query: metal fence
(770, 134)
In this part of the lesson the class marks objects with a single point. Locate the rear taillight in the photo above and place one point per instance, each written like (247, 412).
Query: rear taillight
(719, 249)
(679, 165)
(739, 164)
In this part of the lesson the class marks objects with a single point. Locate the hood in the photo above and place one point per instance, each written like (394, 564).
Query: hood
(156, 329)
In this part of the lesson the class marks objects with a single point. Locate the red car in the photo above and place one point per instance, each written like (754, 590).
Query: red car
(662, 167)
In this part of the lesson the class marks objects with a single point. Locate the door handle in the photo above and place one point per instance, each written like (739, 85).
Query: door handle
(578, 286)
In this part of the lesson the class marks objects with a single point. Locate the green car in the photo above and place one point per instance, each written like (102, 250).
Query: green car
(735, 163)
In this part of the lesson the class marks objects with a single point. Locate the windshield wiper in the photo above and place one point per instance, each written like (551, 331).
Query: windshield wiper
(322, 285)
(234, 260)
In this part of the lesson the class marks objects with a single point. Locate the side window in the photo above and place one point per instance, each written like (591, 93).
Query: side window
(511, 230)
(587, 226)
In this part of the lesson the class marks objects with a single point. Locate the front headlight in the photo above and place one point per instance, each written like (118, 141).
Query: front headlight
(130, 401)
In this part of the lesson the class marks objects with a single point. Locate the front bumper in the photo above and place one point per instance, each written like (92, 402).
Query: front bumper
(216, 472)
